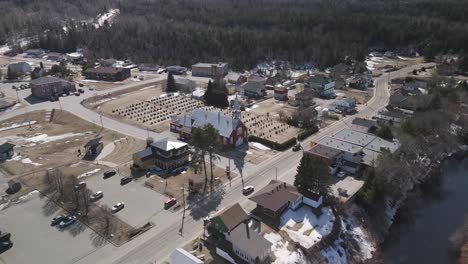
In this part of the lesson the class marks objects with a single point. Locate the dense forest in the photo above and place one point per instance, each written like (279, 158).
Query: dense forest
(241, 32)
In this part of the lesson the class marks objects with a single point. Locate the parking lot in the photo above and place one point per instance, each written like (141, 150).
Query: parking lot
(35, 241)
(141, 204)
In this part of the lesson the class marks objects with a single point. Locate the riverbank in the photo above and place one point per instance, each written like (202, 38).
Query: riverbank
(430, 213)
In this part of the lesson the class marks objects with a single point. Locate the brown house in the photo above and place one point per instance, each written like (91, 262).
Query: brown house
(107, 74)
(327, 154)
(46, 87)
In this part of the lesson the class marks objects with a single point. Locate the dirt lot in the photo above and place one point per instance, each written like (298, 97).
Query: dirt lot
(171, 185)
(49, 144)
(379, 64)
(361, 96)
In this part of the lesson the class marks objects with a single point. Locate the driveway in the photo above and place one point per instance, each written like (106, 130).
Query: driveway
(35, 241)
(141, 204)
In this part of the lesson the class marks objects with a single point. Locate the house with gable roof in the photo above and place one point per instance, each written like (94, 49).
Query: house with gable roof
(231, 129)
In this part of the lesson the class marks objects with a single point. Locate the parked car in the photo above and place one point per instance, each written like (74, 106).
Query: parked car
(248, 189)
(80, 90)
(56, 220)
(80, 85)
(64, 95)
(4, 245)
(91, 88)
(341, 174)
(109, 174)
(170, 202)
(296, 147)
(76, 93)
(96, 196)
(67, 221)
(125, 180)
(117, 207)
(79, 186)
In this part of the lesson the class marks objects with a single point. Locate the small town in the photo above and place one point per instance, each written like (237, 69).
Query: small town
(116, 159)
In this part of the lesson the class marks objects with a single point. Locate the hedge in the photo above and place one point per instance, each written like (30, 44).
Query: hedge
(288, 143)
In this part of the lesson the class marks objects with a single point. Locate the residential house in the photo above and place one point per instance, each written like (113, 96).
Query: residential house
(55, 56)
(359, 81)
(305, 98)
(184, 85)
(47, 87)
(231, 129)
(321, 85)
(254, 88)
(93, 148)
(277, 196)
(6, 151)
(364, 125)
(34, 53)
(394, 117)
(167, 154)
(176, 70)
(181, 256)
(346, 105)
(148, 67)
(105, 73)
(281, 93)
(340, 73)
(107, 62)
(20, 67)
(235, 78)
(238, 236)
(38, 72)
(212, 70)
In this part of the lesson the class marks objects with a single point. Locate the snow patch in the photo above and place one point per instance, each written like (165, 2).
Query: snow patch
(29, 161)
(313, 228)
(87, 174)
(281, 252)
(13, 126)
(260, 146)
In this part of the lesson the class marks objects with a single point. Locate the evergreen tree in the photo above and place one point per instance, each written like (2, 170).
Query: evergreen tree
(312, 176)
(208, 97)
(385, 132)
(12, 75)
(373, 190)
(170, 85)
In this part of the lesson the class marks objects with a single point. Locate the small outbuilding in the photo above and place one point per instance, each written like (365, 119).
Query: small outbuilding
(93, 147)
(13, 186)
(6, 151)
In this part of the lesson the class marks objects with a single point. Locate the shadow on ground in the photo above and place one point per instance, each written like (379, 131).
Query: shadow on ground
(202, 208)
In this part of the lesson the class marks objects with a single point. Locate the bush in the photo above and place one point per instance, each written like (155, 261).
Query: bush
(306, 133)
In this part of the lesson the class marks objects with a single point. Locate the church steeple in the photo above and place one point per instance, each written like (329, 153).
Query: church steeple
(236, 113)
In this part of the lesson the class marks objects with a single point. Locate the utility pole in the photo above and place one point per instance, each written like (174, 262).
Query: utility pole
(276, 171)
(183, 214)
(17, 95)
(100, 117)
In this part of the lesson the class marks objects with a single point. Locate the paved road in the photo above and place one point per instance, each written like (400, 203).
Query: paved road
(156, 244)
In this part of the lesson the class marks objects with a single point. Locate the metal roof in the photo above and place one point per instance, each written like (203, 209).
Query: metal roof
(249, 241)
(168, 144)
(354, 137)
(200, 118)
(6, 147)
(45, 80)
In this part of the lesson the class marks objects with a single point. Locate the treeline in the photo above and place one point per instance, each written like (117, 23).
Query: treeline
(245, 32)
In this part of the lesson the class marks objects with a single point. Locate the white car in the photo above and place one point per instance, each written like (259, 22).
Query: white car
(118, 207)
(248, 189)
(96, 196)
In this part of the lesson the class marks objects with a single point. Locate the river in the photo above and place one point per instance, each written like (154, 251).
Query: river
(432, 213)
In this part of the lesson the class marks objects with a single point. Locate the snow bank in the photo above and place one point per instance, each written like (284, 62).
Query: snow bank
(281, 252)
(312, 229)
(13, 126)
(44, 138)
(335, 254)
(28, 161)
(260, 146)
(27, 197)
(87, 174)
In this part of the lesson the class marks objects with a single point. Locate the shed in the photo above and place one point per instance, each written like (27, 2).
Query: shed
(14, 186)
(93, 147)
(6, 150)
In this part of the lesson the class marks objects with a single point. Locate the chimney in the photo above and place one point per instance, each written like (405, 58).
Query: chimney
(247, 229)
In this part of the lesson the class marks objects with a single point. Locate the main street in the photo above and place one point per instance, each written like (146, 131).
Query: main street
(156, 245)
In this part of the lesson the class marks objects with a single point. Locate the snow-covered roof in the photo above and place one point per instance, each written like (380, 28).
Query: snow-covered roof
(223, 123)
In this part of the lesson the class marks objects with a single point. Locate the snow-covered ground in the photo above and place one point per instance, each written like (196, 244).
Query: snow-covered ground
(372, 61)
(250, 108)
(258, 146)
(21, 199)
(29, 161)
(313, 228)
(109, 17)
(281, 252)
(17, 125)
(87, 174)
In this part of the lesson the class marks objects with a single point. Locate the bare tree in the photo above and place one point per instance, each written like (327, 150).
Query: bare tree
(107, 223)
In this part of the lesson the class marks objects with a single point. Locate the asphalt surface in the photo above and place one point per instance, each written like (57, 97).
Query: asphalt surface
(156, 245)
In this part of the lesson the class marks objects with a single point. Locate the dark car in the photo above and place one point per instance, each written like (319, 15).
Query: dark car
(56, 220)
(80, 90)
(296, 147)
(80, 85)
(125, 180)
(109, 174)
(4, 245)
(69, 220)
